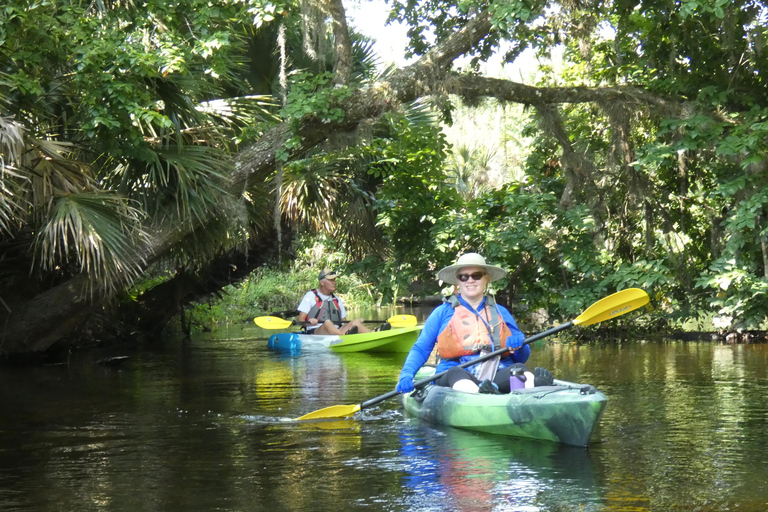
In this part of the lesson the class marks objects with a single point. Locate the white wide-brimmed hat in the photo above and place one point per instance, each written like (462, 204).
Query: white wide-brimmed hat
(470, 259)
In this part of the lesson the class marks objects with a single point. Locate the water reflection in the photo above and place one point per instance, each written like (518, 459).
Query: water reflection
(451, 469)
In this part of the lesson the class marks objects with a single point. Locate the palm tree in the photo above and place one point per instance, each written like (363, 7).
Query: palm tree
(468, 170)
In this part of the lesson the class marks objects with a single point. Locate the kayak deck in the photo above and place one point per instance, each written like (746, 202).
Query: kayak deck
(565, 412)
(393, 340)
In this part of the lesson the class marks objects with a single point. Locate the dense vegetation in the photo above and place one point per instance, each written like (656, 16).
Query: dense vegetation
(166, 139)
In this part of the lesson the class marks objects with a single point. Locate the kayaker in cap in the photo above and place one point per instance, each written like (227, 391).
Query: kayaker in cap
(468, 325)
(325, 311)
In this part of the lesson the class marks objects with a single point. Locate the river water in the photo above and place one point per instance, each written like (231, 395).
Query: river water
(207, 425)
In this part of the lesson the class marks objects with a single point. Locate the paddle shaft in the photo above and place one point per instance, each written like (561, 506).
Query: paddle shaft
(283, 314)
(293, 312)
(490, 355)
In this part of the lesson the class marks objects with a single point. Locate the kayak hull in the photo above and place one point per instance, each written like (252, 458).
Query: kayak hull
(393, 340)
(565, 412)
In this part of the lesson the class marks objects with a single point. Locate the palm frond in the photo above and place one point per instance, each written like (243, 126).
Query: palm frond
(309, 190)
(218, 234)
(359, 230)
(196, 177)
(468, 170)
(53, 171)
(260, 205)
(12, 183)
(185, 183)
(11, 140)
(98, 233)
(422, 111)
(365, 60)
(240, 111)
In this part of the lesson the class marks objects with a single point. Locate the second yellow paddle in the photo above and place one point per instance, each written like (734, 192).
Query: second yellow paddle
(274, 322)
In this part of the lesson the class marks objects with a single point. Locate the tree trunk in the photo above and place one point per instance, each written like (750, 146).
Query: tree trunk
(342, 65)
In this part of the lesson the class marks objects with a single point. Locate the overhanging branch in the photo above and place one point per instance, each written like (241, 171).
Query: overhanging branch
(475, 87)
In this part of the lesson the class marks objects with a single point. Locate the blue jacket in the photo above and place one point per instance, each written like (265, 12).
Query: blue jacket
(437, 322)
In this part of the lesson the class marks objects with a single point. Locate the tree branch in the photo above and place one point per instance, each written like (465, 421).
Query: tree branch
(475, 87)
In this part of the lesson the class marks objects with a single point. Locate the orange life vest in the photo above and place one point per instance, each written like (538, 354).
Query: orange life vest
(468, 332)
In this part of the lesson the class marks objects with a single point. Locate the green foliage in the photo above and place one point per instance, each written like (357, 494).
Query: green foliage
(412, 195)
(267, 291)
(128, 115)
(739, 297)
(510, 19)
(524, 231)
(468, 170)
(312, 96)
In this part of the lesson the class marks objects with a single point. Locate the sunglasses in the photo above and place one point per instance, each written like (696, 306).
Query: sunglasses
(476, 276)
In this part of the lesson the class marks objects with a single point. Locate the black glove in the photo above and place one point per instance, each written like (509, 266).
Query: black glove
(542, 377)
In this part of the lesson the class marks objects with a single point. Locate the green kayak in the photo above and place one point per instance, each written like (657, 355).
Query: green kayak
(565, 412)
(392, 340)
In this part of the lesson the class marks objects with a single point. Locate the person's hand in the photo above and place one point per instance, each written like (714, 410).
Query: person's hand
(312, 321)
(405, 384)
(514, 343)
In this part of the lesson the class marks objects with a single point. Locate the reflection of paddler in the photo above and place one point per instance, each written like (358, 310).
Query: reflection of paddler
(469, 481)
(323, 376)
(518, 470)
(440, 469)
(319, 376)
(477, 471)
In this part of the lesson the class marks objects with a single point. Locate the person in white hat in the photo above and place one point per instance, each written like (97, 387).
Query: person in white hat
(324, 311)
(468, 325)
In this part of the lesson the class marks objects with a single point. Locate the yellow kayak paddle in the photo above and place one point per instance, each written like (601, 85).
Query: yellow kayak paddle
(274, 322)
(605, 309)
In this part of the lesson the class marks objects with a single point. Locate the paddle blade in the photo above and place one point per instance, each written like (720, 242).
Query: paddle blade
(402, 321)
(272, 322)
(335, 411)
(613, 306)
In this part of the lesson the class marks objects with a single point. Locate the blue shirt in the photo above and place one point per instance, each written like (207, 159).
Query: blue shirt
(438, 321)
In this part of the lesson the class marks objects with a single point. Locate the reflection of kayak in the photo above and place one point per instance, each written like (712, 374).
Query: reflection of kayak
(566, 412)
(392, 340)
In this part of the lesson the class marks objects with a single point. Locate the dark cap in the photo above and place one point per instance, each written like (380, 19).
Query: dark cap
(328, 274)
